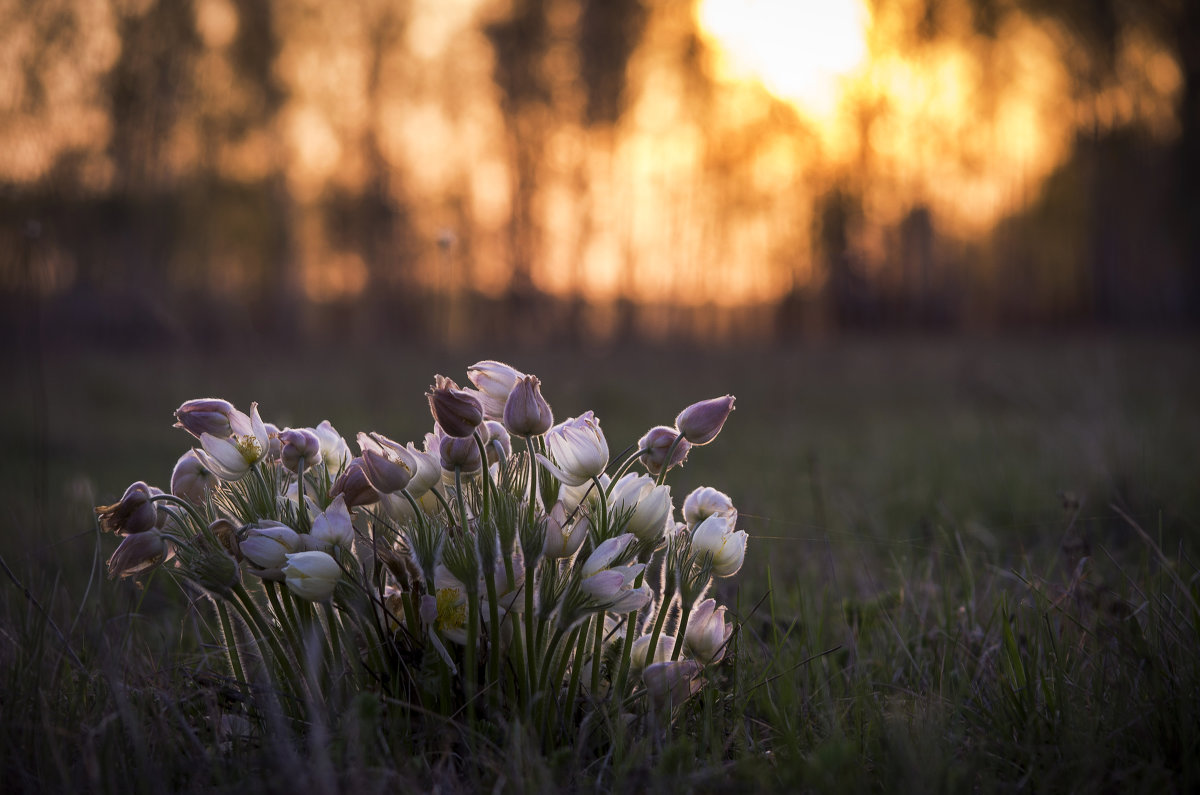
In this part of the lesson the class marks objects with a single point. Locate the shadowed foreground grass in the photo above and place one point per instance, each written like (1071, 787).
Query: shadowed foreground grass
(971, 566)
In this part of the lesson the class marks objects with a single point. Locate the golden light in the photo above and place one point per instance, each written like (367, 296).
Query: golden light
(800, 50)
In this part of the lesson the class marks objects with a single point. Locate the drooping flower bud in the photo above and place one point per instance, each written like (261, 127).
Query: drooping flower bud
(136, 553)
(300, 445)
(312, 575)
(267, 544)
(708, 632)
(191, 479)
(353, 486)
(455, 410)
(526, 412)
(656, 444)
(494, 380)
(578, 450)
(701, 422)
(133, 513)
(205, 415)
(334, 450)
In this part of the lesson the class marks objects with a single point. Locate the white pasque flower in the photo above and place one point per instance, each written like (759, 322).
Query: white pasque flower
(648, 505)
(334, 527)
(708, 632)
(231, 458)
(578, 450)
(334, 450)
(716, 536)
(563, 538)
(641, 647)
(613, 586)
(312, 575)
(267, 544)
(495, 381)
(704, 502)
(191, 479)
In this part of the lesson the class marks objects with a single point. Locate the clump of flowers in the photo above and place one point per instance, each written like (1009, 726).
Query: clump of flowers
(506, 566)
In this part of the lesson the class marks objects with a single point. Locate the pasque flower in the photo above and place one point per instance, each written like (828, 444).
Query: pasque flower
(267, 544)
(334, 527)
(578, 450)
(206, 415)
(494, 380)
(526, 412)
(191, 479)
(716, 536)
(136, 553)
(612, 586)
(231, 458)
(353, 486)
(704, 502)
(455, 410)
(299, 446)
(672, 682)
(707, 632)
(564, 538)
(656, 444)
(312, 575)
(701, 422)
(334, 450)
(133, 513)
(648, 506)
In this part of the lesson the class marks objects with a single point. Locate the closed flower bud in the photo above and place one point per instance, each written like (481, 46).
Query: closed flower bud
(671, 683)
(526, 412)
(708, 632)
(136, 553)
(641, 649)
(703, 503)
(716, 536)
(459, 453)
(656, 444)
(387, 474)
(494, 380)
(578, 450)
(701, 422)
(300, 446)
(334, 526)
(133, 513)
(267, 544)
(455, 410)
(205, 415)
(312, 575)
(352, 485)
(191, 479)
(648, 506)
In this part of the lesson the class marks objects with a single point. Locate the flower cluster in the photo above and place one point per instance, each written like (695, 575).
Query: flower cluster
(505, 562)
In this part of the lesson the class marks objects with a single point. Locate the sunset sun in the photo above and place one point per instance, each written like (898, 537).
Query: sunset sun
(798, 49)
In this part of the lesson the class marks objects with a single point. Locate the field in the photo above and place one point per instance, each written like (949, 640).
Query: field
(971, 567)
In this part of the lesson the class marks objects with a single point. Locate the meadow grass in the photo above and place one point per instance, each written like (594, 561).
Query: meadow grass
(971, 567)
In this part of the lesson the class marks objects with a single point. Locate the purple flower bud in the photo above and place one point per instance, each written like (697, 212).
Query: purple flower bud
(526, 412)
(457, 411)
(299, 444)
(354, 486)
(387, 474)
(205, 415)
(136, 553)
(497, 442)
(133, 513)
(459, 453)
(656, 444)
(701, 422)
(192, 479)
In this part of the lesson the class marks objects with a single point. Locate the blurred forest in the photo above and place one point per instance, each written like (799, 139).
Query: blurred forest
(445, 170)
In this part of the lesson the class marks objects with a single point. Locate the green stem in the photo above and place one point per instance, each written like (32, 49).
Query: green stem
(231, 644)
(530, 656)
(200, 521)
(667, 464)
(682, 631)
(281, 613)
(335, 639)
(626, 654)
(577, 669)
(663, 608)
(624, 466)
(458, 494)
(303, 508)
(603, 508)
(493, 675)
(469, 684)
(487, 478)
(597, 652)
